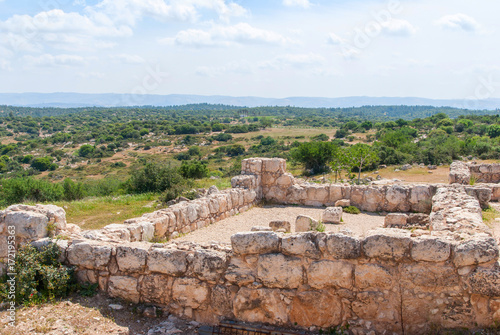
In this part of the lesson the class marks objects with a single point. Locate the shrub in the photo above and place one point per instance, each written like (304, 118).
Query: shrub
(351, 210)
(86, 150)
(155, 177)
(40, 276)
(194, 169)
(41, 163)
(315, 155)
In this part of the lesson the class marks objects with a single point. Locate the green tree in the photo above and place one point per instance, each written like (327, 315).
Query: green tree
(86, 150)
(361, 155)
(41, 163)
(338, 162)
(315, 155)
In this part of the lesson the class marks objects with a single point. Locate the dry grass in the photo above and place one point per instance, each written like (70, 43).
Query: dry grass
(288, 131)
(416, 175)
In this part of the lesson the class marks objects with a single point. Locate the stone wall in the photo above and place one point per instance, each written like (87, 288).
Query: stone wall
(23, 224)
(390, 281)
(182, 217)
(462, 173)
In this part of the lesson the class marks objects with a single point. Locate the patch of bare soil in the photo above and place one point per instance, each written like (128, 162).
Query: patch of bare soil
(221, 231)
(80, 315)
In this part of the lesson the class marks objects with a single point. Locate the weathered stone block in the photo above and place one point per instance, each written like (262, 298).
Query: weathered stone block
(209, 265)
(124, 288)
(156, 289)
(430, 249)
(323, 274)
(89, 255)
(280, 271)
(260, 305)
(301, 245)
(343, 203)
(372, 276)
(395, 220)
(316, 308)
(342, 246)
(475, 251)
(332, 215)
(305, 223)
(279, 224)
(255, 242)
(131, 257)
(167, 261)
(190, 292)
(390, 244)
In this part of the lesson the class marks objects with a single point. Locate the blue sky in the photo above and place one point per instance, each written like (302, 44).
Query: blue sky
(275, 48)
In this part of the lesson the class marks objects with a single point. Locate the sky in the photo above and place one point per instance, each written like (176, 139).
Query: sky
(446, 49)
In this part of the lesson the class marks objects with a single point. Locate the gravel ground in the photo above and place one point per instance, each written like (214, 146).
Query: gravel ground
(261, 216)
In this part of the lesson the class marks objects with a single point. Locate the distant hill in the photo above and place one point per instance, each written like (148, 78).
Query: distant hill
(72, 100)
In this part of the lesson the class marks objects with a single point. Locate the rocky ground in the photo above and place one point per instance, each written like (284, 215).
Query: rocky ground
(221, 231)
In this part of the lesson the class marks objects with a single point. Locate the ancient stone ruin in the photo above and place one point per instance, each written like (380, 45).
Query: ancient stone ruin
(444, 273)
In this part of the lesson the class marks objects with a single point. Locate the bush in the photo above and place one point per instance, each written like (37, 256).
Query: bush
(315, 155)
(86, 151)
(351, 210)
(41, 163)
(155, 178)
(194, 169)
(18, 190)
(72, 190)
(40, 276)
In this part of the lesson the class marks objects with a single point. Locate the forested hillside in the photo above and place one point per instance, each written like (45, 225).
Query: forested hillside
(52, 154)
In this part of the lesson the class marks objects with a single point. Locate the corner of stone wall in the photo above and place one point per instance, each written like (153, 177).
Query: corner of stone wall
(459, 173)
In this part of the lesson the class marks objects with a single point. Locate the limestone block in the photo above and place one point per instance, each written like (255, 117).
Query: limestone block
(316, 308)
(255, 242)
(395, 220)
(90, 255)
(372, 276)
(342, 246)
(280, 271)
(274, 165)
(379, 307)
(397, 199)
(430, 276)
(421, 198)
(261, 228)
(167, 261)
(482, 194)
(475, 251)
(148, 231)
(239, 272)
(332, 215)
(418, 219)
(343, 203)
(317, 195)
(249, 196)
(296, 194)
(123, 287)
(301, 245)
(459, 173)
(285, 181)
(430, 249)
(251, 166)
(28, 225)
(335, 194)
(156, 289)
(390, 244)
(323, 274)
(117, 232)
(305, 223)
(131, 257)
(373, 199)
(190, 292)
(221, 300)
(279, 224)
(260, 305)
(209, 265)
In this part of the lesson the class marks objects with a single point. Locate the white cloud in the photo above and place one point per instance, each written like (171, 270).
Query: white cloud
(48, 60)
(128, 59)
(241, 33)
(130, 11)
(294, 60)
(335, 39)
(396, 27)
(240, 67)
(5, 64)
(459, 22)
(297, 3)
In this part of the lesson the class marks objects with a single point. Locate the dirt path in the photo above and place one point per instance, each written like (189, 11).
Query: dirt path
(261, 216)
